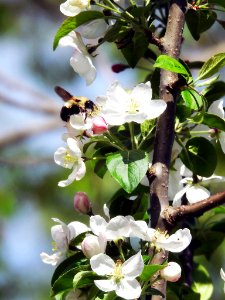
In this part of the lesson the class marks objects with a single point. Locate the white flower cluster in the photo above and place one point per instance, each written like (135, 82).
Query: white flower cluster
(120, 275)
(81, 60)
(117, 107)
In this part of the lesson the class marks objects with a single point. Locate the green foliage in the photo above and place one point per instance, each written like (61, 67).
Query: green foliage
(192, 99)
(198, 21)
(199, 156)
(149, 271)
(128, 168)
(212, 66)
(202, 283)
(171, 64)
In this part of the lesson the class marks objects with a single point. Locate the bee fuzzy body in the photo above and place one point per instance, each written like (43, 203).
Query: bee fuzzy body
(74, 105)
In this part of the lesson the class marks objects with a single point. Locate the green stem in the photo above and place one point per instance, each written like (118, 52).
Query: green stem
(199, 132)
(132, 137)
(108, 8)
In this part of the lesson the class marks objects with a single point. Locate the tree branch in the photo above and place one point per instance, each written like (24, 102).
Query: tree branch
(159, 174)
(173, 214)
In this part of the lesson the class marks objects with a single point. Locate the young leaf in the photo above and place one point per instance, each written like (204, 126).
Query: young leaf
(202, 283)
(212, 66)
(149, 271)
(84, 278)
(72, 23)
(128, 168)
(213, 121)
(192, 99)
(199, 156)
(171, 64)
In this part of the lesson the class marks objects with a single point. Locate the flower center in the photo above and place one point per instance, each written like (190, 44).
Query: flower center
(133, 106)
(78, 3)
(117, 272)
(68, 159)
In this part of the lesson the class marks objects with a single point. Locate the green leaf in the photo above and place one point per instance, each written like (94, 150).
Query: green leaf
(65, 281)
(213, 121)
(128, 168)
(212, 66)
(72, 23)
(199, 21)
(219, 210)
(199, 156)
(192, 99)
(71, 262)
(149, 271)
(183, 112)
(214, 92)
(84, 279)
(171, 64)
(202, 283)
(135, 48)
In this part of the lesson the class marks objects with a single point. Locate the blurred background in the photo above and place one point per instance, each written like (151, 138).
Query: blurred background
(30, 132)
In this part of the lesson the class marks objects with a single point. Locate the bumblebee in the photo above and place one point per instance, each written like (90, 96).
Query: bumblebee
(74, 105)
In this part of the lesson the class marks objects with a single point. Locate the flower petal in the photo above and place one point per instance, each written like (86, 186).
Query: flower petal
(177, 242)
(117, 227)
(128, 289)
(51, 259)
(105, 285)
(102, 264)
(197, 193)
(76, 228)
(97, 224)
(216, 108)
(133, 267)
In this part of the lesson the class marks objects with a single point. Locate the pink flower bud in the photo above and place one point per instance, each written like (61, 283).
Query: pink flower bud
(93, 245)
(81, 203)
(117, 68)
(171, 272)
(99, 125)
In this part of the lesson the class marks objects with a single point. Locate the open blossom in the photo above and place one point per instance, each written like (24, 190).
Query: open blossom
(81, 60)
(121, 276)
(222, 274)
(71, 8)
(123, 106)
(62, 234)
(171, 272)
(176, 242)
(71, 158)
(195, 192)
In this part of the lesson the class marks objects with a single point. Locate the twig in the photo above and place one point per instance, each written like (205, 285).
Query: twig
(173, 214)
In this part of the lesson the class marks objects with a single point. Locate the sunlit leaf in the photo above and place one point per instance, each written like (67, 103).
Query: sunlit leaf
(212, 66)
(171, 64)
(128, 167)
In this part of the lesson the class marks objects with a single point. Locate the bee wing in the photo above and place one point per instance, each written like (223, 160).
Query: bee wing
(63, 93)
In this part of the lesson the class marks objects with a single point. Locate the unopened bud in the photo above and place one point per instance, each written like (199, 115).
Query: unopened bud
(171, 272)
(93, 245)
(119, 68)
(81, 203)
(99, 125)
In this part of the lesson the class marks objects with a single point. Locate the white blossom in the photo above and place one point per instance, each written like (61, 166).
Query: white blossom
(71, 158)
(123, 106)
(176, 242)
(195, 192)
(71, 8)
(121, 276)
(81, 60)
(62, 234)
(93, 29)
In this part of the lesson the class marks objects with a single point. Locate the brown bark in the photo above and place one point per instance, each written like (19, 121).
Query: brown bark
(164, 137)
